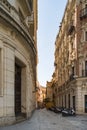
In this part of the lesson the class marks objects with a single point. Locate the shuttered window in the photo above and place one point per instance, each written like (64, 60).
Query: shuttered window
(86, 36)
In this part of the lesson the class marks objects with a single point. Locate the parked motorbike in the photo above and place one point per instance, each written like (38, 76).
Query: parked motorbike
(68, 112)
(56, 109)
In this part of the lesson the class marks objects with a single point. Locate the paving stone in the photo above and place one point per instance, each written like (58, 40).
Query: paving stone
(48, 120)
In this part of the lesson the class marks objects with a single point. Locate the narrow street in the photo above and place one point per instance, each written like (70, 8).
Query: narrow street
(47, 120)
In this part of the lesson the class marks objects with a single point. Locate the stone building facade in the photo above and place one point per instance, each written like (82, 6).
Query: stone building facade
(41, 95)
(70, 88)
(18, 59)
(49, 90)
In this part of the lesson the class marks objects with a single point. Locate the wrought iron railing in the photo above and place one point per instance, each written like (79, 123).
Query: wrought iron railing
(72, 77)
(71, 29)
(83, 13)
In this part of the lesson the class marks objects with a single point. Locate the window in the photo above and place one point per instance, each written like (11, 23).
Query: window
(86, 8)
(65, 101)
(31, 4)
(82, 36)
(72, 46)
(85, 68)
(73, 70)
(86, 36)
(69, 100)
(1, 72)
(21, 15)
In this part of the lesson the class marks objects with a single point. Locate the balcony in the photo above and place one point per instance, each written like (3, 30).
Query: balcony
(71, 77)
(83, 13)
(71, 28)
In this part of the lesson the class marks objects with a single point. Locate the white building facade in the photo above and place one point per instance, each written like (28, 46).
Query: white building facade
(18, 59)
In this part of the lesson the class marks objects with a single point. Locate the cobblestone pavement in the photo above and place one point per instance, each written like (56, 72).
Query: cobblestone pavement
(47, 120)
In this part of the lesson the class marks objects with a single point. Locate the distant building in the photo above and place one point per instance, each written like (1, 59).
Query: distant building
(18, 59)
(71, 58)
(41, 95)
(43, 92)
(49, 90)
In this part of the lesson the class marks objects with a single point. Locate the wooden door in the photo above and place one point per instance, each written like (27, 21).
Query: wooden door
(17, 90)
(85, 103)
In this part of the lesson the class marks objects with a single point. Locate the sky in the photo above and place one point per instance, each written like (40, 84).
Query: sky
(50, 14)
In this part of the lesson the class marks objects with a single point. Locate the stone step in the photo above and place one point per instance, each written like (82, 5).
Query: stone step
(20, 119)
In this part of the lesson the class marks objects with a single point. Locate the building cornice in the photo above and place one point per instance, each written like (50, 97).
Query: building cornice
(6, 16)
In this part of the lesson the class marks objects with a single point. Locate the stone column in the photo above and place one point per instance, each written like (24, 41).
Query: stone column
(8, 98)
(79, 98)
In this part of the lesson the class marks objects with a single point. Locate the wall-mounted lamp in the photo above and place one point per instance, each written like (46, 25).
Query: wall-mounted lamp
(83, 85)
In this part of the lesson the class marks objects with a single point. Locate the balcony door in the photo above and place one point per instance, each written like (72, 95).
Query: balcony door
(85, 68)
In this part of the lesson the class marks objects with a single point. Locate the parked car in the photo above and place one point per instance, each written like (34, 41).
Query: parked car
(52, 108)
(56, 109)
(68, 112)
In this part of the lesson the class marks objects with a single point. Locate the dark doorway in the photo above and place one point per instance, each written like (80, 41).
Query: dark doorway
(17, 90)
(69, 100)
(86, 103)
(62, 101)
(73, 102)
(85, 68)
(65, 101)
